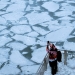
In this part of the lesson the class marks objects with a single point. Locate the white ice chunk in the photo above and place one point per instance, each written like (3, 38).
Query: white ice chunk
(22, 20)
(24, 52)
(51, 6)
(66, 23)
(2, 27)
(35, 18)
(36, 8)
(4, 32)
(40, 30)
(67, 7)
(9, 69)
(17, 6)
(35, 56)
(73, 23)
(3, 4)
(4, 52)
(25, 39)
(30, 69)
(33, 34)
(63, 13)
(4, 40)
(17, 58)
(69, 46)
(2, 59)
(11, 17)
(58, 0)
(2, 20)
(54, 27)
(59, 35)
(21, 29)
(16, 46)
(66, 18)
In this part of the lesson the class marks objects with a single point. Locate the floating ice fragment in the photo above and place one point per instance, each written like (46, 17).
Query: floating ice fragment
(21, 29)
(35, 18)
(51, 6)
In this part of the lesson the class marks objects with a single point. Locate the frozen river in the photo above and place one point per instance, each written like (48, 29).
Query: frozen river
(26, 25)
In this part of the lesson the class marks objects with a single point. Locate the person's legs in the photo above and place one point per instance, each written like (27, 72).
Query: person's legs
(55, 66)
(52, 67)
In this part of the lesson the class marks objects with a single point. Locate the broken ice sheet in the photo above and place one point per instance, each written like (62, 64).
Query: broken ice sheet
(36, 56)
(2, 27)
(30, 69)
(21, 29)
(13, 7)
(4, 40)
(35, 18)
(9, 69)
(55, 36)
(25, 39)
(17, 58)
(32, 34)
(16, 45)
(69, 46)
(51, 6)
(40, 30)
(10, 16)
(63, 13)
(2, 20)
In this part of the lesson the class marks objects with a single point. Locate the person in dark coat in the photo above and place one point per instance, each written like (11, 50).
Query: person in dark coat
(52, 51)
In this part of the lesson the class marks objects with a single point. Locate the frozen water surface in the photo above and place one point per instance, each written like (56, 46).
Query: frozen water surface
(26, 26)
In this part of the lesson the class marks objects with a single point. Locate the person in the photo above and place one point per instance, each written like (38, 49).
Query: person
(52, 51)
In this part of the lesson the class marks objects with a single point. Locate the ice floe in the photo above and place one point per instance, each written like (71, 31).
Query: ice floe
(2, 20)
(36, 56)
(59, 35)
(21, 29)
(16, 46)
(40, 30)
(30, 69)
(4, 32)
(23, 20)
(66, 18)
(9, 69)
(51, 6)
(2, 27)
(67, 7)
(3, 4)
(63, 13)
(17, 58)
(10, 16)
(4, 40)
(58, 0)
(25, 39)
(32, 34)
(13, 7)
(36, 18)
(69, 46)
(4, 52)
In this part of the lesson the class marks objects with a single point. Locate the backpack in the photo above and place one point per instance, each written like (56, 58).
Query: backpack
(59, 56)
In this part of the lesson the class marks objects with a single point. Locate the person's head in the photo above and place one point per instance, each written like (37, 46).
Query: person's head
(52, 45)
(47, 42)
